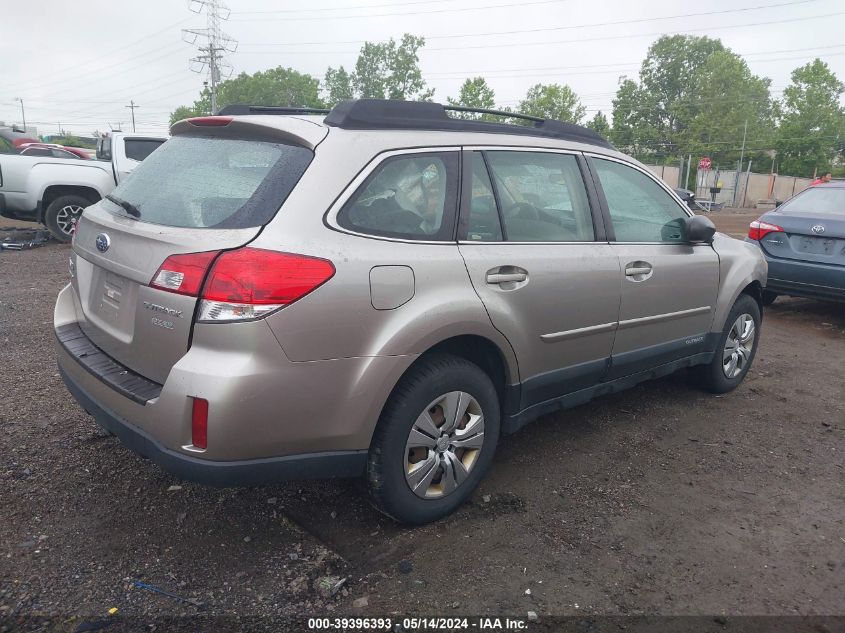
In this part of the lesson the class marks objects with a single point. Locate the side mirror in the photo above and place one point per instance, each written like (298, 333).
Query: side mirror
(778, 203)
(700, 229)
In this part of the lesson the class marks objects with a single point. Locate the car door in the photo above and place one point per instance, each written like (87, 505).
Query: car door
(537, 258)
(668, 287)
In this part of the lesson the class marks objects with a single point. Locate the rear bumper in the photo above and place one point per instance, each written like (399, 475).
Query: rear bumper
(231, 473)
(269, 418)
(806, 279)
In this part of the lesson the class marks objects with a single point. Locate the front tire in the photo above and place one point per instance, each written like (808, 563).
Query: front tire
(62, 214)
(434, 440)
(736, 349)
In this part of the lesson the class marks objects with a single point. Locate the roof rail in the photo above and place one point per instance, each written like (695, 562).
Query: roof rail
(237, 109)
(385, 114)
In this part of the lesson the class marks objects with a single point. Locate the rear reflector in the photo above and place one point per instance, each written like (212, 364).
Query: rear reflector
(210, 121)
(758, 229)
(199, 423)
(183, 274)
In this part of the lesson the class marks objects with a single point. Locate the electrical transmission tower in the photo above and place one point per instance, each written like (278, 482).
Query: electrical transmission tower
(217, 43)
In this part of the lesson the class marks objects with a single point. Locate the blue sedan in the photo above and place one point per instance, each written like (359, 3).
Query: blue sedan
(803, 241)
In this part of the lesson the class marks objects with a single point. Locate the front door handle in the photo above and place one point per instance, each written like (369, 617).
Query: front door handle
(638, 271)
(501, 278)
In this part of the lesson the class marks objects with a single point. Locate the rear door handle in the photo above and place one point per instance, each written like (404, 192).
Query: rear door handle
(500, 278)
(641, 270)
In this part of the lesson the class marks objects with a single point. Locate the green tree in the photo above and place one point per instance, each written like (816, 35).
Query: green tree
(337, 86)
(694, 96)
(276, 86)
(599, 124)
(730, 102)
(631, 129)
(812, 121)
(387, 70)
(475, 93)
(553, 101)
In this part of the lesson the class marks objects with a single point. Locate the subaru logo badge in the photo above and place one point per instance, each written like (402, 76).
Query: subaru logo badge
(818, 229)
(103, 242)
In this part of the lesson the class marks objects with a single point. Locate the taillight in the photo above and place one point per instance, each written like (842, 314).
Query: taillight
(246, 283)
(758, 229)
(199, 423)
(183, 274)
(250, 282)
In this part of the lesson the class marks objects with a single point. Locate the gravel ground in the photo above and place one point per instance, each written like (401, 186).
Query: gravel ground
(659, 500)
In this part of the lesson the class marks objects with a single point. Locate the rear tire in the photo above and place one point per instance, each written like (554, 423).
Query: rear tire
(769, 297)
(443, 462)
(62, 214)
(735, 350)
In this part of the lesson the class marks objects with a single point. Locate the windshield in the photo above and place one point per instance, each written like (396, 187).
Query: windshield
(815, 200)
(201, 182)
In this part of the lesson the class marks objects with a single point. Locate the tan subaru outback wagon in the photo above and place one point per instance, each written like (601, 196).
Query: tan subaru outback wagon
(385, 290)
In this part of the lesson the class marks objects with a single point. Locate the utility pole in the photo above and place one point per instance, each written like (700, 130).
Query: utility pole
(739, 165)
(132, 107)
(23, 114)
(217, 43)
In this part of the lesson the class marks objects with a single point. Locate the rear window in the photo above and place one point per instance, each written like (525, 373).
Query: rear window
(139, 148)
(200, 182)
(827, 200)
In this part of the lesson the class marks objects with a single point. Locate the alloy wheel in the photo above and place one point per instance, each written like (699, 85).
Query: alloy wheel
(738, 346)
(444, 445)
(67, 217)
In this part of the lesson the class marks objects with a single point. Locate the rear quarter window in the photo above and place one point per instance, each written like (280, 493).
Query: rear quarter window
(408, 196)
(205, 182)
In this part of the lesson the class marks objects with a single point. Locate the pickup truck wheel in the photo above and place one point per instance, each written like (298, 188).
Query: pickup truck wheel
(434, 440)
(62, 215)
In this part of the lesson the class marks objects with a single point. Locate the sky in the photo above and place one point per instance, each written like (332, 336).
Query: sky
(79, 64)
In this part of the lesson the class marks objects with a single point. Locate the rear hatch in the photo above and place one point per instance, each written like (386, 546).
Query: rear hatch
(813, 227)
(210, 188)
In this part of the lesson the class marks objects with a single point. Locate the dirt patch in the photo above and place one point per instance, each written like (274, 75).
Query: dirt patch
(659, 500)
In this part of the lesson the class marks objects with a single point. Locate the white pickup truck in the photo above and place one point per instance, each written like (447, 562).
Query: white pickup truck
(54, 191)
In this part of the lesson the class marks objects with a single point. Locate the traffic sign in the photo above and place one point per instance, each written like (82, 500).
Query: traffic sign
(704, 163)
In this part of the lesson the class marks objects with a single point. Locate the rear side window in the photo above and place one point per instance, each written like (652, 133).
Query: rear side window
(139, 148)
(201, 182)
(413, 196)
(541, 198)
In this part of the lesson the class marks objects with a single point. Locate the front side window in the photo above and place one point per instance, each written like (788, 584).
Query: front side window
(541, 197)
(411, 196)
(640, 209)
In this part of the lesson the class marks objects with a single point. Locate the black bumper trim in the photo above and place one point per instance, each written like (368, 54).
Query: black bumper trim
(103, 367)
(217, 473)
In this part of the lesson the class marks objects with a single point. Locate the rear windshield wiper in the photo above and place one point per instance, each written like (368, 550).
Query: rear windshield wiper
(130, 208)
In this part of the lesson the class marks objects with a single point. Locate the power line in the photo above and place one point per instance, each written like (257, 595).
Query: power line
(404, 13)
(98, 58)
(561, 28)
(616, 65)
